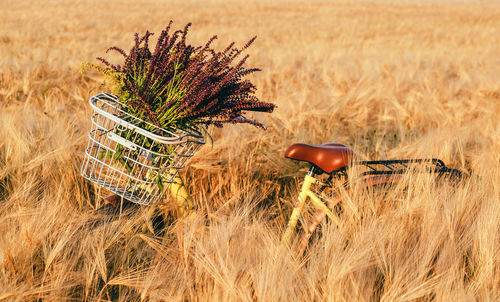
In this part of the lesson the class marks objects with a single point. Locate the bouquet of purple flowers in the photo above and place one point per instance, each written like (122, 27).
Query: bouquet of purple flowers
(178, 86)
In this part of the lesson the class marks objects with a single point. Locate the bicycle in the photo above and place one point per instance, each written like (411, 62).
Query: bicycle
(333, 161)
(138, 165)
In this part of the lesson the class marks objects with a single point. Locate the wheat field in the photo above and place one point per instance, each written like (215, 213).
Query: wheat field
(389, 79)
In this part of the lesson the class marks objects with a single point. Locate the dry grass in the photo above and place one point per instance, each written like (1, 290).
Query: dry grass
(390, 80)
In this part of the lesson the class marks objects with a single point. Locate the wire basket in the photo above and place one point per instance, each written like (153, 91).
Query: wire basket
(131, 157)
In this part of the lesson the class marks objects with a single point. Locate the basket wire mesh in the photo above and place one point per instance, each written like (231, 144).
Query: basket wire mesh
(131, 157)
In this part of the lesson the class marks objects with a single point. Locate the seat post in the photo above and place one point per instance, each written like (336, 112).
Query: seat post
(311, 171)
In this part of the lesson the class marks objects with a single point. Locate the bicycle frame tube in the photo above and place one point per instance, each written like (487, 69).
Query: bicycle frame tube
(182, 197)
(305, 193)
(320, 205)
(184, 201)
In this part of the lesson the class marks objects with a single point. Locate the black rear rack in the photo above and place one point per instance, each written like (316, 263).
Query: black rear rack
(401, 166)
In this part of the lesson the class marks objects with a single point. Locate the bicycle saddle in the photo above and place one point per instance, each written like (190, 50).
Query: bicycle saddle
(328, 157)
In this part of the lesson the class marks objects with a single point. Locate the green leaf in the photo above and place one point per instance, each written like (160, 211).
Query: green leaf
(159, 182)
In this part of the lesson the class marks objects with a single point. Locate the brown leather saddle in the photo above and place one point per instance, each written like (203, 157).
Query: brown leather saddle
(328, 157)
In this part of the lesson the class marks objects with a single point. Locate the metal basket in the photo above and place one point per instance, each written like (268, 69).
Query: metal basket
(131, 157)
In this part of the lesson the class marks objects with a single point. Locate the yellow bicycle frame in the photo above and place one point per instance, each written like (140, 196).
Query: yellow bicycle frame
(304, 194)
(183, 199)
(179, 193)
